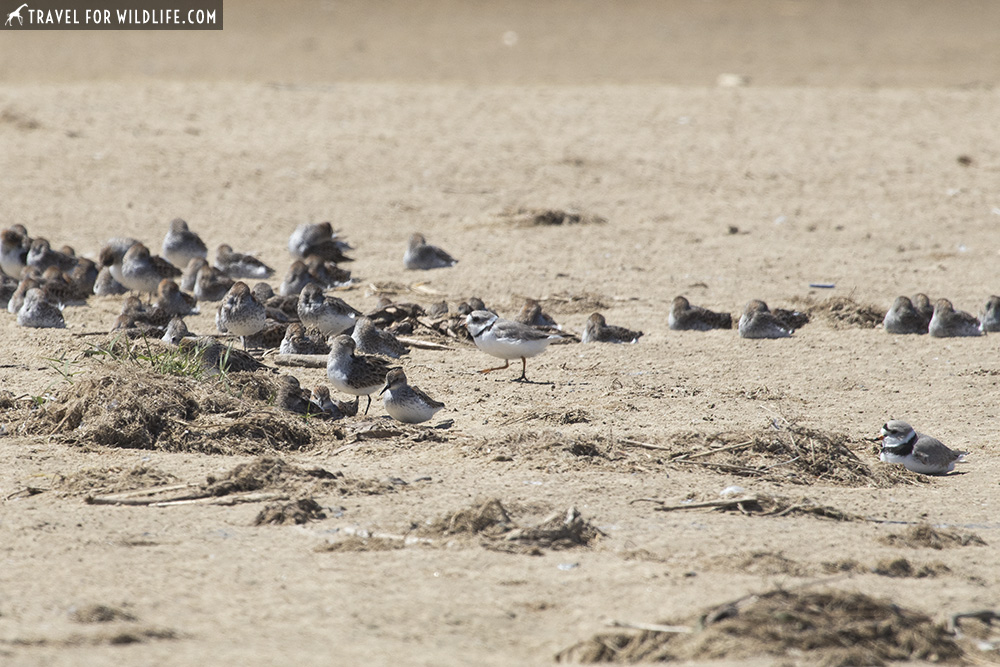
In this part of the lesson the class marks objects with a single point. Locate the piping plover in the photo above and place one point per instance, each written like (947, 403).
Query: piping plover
(370, 340)
(685, 317)
(597, 330)
(506, 339)
(948, 322)
(38, 312)
(140, 271)
(918, 452)
(989, 319)
(903, 318)
(181, 245)
(358, 375)
(238, 265)
(758, 321)
(240, 314)
(318, 239)
(406, 403)
(329, 314)
(420, 255)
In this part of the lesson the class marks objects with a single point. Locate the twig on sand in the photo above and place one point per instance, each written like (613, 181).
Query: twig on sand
(652, 627)
(728, 502)
(688, 456)
(643, 445)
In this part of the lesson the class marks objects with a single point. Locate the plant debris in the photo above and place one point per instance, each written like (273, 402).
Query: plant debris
(925, 536)
(296, 512)
(831, 628)
(844, 312)
(531, 217)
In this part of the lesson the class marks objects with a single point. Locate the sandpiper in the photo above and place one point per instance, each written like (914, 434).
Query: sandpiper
(903, 318)
(211, 284)
(533, 315)
(406, 403)
(420, 255)
(506, 339)
(172, 300)
(296, 279)
(924, 306)
(948, 322)
(297, 341)
(190, 276)
(685, 317)
(176, 330)
(327, 407)
(369, 339)
(240, 314)
(989, 319)
(38, 313)
(140, 271)
(106, 285)
(598, 330)
(14, 248)
(181, 245)
(758, 321)
(42, 256)
(318, 239)
(238, 265)
(329, 314)
(358, 375)
(918, 452)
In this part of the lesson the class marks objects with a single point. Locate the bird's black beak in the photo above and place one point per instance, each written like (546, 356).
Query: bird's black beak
(383, 389)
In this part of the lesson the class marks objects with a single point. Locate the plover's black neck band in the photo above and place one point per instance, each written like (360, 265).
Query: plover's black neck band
(904, 448)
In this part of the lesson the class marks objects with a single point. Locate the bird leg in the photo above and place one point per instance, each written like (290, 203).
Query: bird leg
(369, 403)
(506, 364)
(524, 367)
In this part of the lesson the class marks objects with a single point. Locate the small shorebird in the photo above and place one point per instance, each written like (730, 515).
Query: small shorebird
(296, 341)
(903, 318)
(329, 314)
(318, 239)
(685, 317)
(758, 321)
(358, 375)
(598, 330)
(989, 320)
(140, 271)
(181, 245)
(406, 403)
(38, 312)
(918, 452)
(506, 339)
(949, 323)
(420, 255)
(371, 340)
(240, 314)
(238, 265)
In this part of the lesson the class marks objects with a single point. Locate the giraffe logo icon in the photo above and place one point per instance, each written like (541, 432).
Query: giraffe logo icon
(16, 14)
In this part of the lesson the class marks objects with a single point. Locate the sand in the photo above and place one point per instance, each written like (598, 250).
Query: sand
(861, 155)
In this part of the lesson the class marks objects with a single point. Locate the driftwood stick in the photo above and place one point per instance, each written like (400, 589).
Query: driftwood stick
(652, 627)
(422, 344)
(644, 445)
(739, 445)
(301, 360)
(731, 502)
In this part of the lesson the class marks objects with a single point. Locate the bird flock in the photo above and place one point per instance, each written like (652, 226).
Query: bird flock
(38, 282)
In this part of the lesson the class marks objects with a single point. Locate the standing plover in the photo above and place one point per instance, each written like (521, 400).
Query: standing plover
(903, 318)
(181, 245)
(918, 452)
(369, 339)
(758, 321)
(598, 330)
(140, 271)
(406, 403)
(989, 320)
(358, 375)
(37, 312)
(318, 239)
(685, 317)
(238, 265)
(421, 255)
(506, 339)
(329, 314)
(240, 314)
(948, 322)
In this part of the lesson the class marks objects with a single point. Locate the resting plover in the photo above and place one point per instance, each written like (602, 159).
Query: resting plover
(369, 339)
(181, 245)
(948, 322)
(685, 317)
(420, 255)
(329, 314)
(918, 452)
(358, 375)
(240, 314)
(598, 330)
(758, 321)
(989, 320)
(140, 271)
(505, 339)
(903, 318)
(39, 313)
(406, 403)
(238, 265)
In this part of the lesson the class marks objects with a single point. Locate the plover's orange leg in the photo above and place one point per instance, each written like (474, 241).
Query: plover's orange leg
(506, 364)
